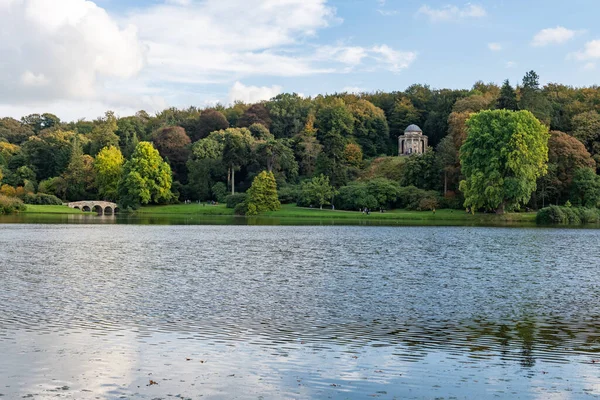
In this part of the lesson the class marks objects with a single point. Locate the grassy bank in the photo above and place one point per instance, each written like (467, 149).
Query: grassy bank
(292, 211)
(38, 209)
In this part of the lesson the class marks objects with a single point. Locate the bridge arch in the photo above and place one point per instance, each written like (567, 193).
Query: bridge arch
(100, 207)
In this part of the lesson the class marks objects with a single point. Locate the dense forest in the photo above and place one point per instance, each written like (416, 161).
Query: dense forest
(346, 142)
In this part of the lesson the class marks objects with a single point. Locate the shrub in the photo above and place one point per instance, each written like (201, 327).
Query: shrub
(241, 209)
(567, 215)
(41, 199)
(428, 204)
(10, 204)
(410, 197)
(234, 199)
(8, 191)
(550, 215)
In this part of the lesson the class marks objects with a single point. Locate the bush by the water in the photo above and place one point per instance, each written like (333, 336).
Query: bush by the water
(413, 198)
(288, 194)
(567, 215)
(10, 204)
(42, 199)
(234, 199)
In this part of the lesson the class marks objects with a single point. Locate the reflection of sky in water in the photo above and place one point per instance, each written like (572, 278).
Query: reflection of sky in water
(297, 312)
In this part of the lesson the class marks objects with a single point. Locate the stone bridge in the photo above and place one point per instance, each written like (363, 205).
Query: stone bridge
(101, 207)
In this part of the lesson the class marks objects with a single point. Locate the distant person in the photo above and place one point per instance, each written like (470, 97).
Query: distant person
(332, 207)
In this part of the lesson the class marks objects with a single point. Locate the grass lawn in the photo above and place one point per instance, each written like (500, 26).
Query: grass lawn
(292, 211)
(37, 209)
(186, 209)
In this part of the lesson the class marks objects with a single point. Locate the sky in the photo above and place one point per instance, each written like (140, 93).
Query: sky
(79, 58)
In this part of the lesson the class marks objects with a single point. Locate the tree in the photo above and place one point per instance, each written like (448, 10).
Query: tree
(587, 130)
(508, 97)
(237, 144)
(403, 114)
(278, 157)
(146, 178)
(566, 155)
(586, 188)
(39, 122)
(532, 98)
(109, 169)
(288, 114)
(75, 174)
(14, 131)
(208, 121)
(262, 195)
(307, 148)
(103, 133)
(370, 127)
(317, 191)
(353, 155)
(255, 114)
(173, 144)
(504, 154)
(49, 153)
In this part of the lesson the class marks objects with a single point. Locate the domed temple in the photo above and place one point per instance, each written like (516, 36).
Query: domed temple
(413, 141)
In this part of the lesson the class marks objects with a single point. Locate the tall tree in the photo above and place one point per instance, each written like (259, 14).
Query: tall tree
(370, 127)
(146, 178)
(237, 144)
(317, 191)
(103, 133)
(504, 154)
(262, 195)
(109, 169)
(532, 98)
(508, 97)
(288, 114)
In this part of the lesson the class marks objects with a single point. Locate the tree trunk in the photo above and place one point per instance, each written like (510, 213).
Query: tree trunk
(321, 206)
(232, 180)
(445, 182)
(501, 207)
(228, 177)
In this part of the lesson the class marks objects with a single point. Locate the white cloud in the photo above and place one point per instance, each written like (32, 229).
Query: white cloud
(387, 13)
(452, 13)
(549, 36)
(62, 50)
(73, 52)
(395, 60)
(494, 46)
(591, 51)
(252, 94)
(589, 66)
(510, 64)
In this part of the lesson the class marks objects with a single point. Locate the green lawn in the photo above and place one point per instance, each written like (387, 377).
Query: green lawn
(37, 209)
(292, 211)
(186, 209)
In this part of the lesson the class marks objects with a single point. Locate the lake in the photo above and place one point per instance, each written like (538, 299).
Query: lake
(110, 311)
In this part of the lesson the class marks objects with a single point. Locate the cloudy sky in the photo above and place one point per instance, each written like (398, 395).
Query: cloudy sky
(78, 58)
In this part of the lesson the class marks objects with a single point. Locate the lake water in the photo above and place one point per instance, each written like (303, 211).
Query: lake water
(271, 312)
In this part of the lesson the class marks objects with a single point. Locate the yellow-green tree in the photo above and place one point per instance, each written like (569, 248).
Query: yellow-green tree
(146, 178)
(262, 195)
(109, 169)
(504, 154)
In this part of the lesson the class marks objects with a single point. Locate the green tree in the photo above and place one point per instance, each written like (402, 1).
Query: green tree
(504, 154)
(75, 173)
(103, 133)
(109, 169)
(586, 188)
(370, 127)
(49, 153)
(288, 114)
(237, 146)
(532, 98)
(146, 178)
(262, 195)
(587, 130)
(508, 97)
(317, 191)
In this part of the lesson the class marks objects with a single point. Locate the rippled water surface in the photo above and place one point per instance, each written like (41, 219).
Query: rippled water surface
(156, 312)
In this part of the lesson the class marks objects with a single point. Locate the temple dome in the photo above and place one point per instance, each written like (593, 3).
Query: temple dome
(413, 129)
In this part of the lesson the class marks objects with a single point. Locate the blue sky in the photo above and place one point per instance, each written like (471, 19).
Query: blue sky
(77, 58)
